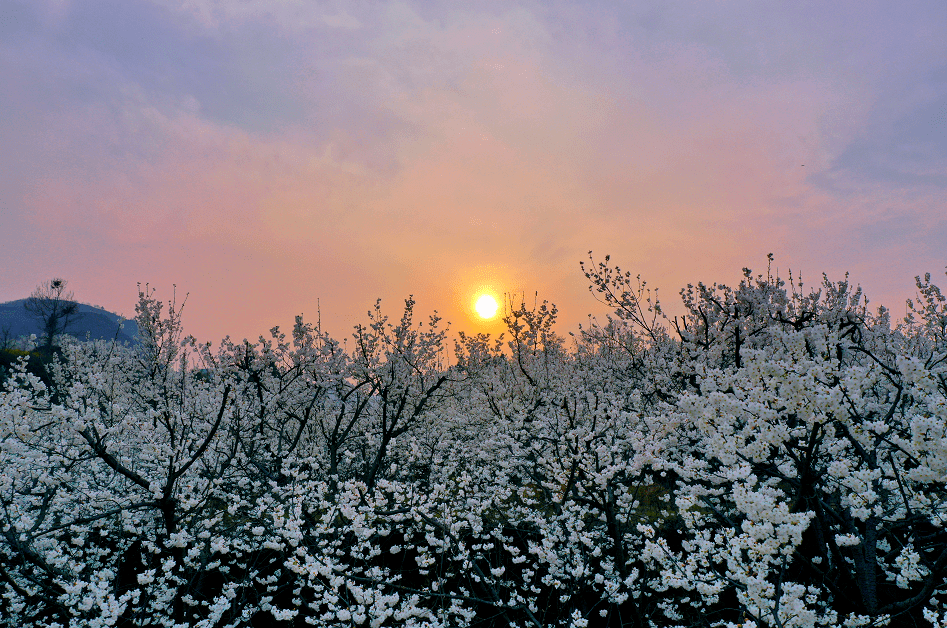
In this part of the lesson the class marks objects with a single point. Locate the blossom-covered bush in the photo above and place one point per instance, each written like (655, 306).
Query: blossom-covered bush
(774, 457)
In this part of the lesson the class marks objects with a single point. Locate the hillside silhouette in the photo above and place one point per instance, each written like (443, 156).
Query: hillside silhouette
(90, 322)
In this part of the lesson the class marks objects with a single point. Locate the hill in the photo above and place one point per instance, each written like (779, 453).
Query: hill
(90, 322)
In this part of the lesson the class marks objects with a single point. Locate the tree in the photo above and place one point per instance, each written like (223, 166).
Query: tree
(53, 307)
(774, 458)
(812, 492)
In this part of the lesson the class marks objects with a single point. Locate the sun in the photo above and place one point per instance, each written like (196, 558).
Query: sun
(486, 306)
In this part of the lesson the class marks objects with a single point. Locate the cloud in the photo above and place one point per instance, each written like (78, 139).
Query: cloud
(276, 153)
(342, 20)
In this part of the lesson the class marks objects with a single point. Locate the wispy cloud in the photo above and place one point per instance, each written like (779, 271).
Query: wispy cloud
(265, 155)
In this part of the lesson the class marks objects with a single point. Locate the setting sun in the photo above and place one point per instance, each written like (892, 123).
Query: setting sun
(486, 306)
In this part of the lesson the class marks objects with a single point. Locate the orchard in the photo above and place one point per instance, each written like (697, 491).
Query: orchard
(776, 457)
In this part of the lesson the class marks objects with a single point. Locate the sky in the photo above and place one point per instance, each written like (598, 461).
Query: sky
(268, 158)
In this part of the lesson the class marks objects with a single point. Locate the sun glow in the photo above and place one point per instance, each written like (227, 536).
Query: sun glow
(486, 306)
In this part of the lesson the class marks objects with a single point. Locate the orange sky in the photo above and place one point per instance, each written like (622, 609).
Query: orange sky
(267, 157)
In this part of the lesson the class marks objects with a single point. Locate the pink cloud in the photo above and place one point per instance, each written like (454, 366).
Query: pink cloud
(442, 156)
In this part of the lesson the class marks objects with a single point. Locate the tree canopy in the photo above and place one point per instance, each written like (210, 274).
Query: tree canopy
(54, 307)
(777, 456)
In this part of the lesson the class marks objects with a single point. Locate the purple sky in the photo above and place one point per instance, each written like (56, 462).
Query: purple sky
(263, 155)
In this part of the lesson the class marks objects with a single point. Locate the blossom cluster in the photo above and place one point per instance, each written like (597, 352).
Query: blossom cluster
(776, 457)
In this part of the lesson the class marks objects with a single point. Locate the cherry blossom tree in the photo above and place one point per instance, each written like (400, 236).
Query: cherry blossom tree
(774, 457)
(810, 492)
